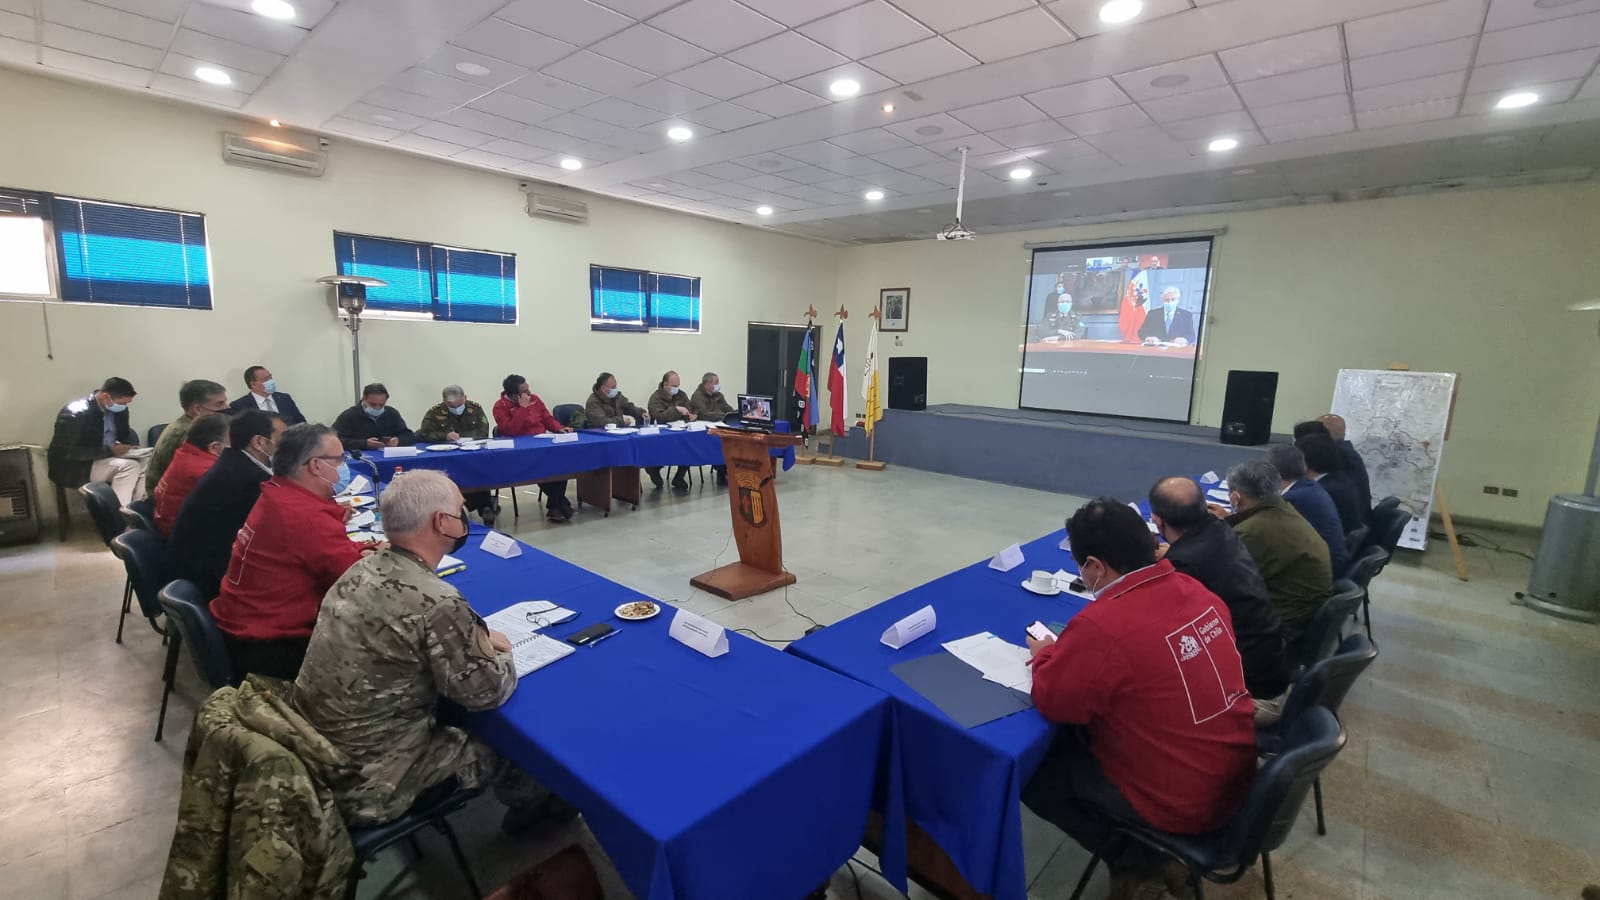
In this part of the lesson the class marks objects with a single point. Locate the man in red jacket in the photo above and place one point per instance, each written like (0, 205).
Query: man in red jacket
(291, 549)
(519, 411)
(1149, 682)
(206, 440)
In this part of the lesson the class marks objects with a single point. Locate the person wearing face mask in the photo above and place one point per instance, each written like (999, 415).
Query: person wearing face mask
(263, 394)
(1059, 320)
(373, 424)
(519, 412)
(392, 641)
(670, 404)
(291, 549)
(708, 405)
(1170, 323)
(198, 397)
(207, 438)
(92, 439)
(609, 406)
(1149, 683)
(453, 419)
(211, 516)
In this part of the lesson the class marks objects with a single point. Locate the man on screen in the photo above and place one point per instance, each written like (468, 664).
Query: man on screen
(1170, 324)
(1059, 322)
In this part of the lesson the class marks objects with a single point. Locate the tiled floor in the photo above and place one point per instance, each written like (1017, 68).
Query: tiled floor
(1472, 771)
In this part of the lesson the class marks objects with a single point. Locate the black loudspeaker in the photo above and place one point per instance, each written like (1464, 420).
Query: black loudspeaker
(908, 382)
(1247, 408)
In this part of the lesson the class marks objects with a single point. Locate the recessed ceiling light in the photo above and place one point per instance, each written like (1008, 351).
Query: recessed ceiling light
(1116, 12)
(845, 87)
(1020, 173)
(763, 210)
(1222, 145)
(274, 123)
(571, 165)
(382, 117)
(1169, 81)
(874, 194)
(213, 75)
(1517, 100)
(888, 107)
(472, 68)
(680, 133)
(273, 9)
(930, 130)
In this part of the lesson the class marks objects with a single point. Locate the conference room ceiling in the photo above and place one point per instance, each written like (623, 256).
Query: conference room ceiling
(1326, 100)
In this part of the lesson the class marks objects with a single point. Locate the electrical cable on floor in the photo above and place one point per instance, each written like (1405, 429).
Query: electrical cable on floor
(1478, 541)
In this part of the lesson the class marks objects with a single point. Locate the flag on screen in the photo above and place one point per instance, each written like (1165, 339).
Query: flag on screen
(837, 400)
(873, 411)
(805, 384)
(1130, 313)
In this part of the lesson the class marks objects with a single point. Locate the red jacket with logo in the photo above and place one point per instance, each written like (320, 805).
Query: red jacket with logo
(1151, 670)
(515, 419)
(188, 464)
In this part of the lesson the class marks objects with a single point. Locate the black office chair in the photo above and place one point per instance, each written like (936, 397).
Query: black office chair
(1356, 539)
(1387, 503)
(1263, 821)
(432, 808)
(1324, 684)
(140, 514)
(1326, 629)
(189, 622)
(1362, 571)
(1388, 527)
(141, 551)
(153, 434)
(105, 510)
(566, 412)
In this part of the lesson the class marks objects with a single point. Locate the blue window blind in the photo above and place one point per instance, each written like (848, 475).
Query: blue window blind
(407, 266)
(134, 255)
(675, 303)
(474, 286)
(425, 280)
(632, 300)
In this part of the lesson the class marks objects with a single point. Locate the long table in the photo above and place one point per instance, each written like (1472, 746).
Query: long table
(747, 775)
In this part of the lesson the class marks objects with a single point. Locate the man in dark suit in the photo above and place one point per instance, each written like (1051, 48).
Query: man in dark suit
(1354, 466)
(1311, 501)
(92, 439)
(202, 537)
(1170, 323)
(373, 424)
(264, 395)
(1326, 466)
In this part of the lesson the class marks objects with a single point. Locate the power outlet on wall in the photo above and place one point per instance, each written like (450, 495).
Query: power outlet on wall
(1490, 489)
(1508, 492)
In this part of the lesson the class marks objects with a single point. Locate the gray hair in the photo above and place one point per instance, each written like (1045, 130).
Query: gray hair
(1254, 480)
(1288, 460)
(708, 377)
(298, 444)
(409, 502)
(453, 392)
(1176, 294)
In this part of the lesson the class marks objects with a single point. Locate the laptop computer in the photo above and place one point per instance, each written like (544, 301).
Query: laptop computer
(755, 412)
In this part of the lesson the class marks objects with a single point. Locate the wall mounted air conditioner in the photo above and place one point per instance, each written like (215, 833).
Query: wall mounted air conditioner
(269, 153)
(544, 206)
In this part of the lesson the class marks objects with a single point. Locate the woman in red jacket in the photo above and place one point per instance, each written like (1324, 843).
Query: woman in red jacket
(519, 411)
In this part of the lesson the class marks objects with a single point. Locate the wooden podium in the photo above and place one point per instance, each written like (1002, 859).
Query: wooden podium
(754, 499)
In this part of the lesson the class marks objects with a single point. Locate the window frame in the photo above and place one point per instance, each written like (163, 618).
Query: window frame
(436, 306)
(52, 271)
(651, 280)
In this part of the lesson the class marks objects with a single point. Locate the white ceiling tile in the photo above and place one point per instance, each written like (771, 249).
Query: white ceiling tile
(1201, 146)
(164, 10)
(1292, 53)
(484, 122)
(717, 25)
(807, 174)
(1404, 93)
(112, 22)
(1302, 110)
(440, 87)
(859, 167)
(532, 150)
(950, 147)
(942, 173)
(1149, 138)
(650, 49)
(638, 9)
(871, 82)
(787, 56)
(906, 157)
(1549, 93)
(182, 67)
(621, 113)
(358, 128)
(927, 129)
(725, 117)
(1044, 132)
(245, 28)
(816, 153)
(728, 171)
(999, 114)
(1085, 96)
(178, 86)
(235, 57)
(503, 40)
(590, 70)
(578, 126)
(647, 140)
(1541, 70)
(481, 157)
(1539, 39)
(446, 58)
(1083, 16)
(792, 13)
(597, 153)
(1509, 13)
(1310, 128)
(1228, 124)
(1416, 62)
(423, 144)
(1408, 114)
(666, 97)
(574, 21)
(921, 61)
(1413, 27)
(510, 106)
(1193, 74)
(873, 140)
(87, 43)
(948, 15)
(1012, 35)
(115, 73)
(769, 163)
(1318, 82)
(721, 78)
(405, 101)
(860, 31)
(843, 185)
(19, 27)
(1100, 121)
(1192, 105)
(691, 179)
(454, 134)
(781, 100)
(553, 92)
(391, 118)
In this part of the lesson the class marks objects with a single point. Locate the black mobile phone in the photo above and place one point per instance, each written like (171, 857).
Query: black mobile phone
(590, 635)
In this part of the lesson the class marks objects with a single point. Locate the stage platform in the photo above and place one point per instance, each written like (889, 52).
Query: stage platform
(1063, 452)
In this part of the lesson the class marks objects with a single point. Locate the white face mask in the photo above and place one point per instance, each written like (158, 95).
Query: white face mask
(672, 391)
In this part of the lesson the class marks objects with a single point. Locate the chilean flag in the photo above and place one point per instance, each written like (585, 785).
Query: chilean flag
(838, 398)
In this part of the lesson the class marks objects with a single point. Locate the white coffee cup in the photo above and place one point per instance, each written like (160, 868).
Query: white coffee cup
(1041, 580)
(610, 426)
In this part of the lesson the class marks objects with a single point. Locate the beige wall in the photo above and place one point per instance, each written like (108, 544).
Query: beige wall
(270, 237)
(1473, 283)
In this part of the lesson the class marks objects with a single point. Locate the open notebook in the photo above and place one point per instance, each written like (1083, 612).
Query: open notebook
(531, 650)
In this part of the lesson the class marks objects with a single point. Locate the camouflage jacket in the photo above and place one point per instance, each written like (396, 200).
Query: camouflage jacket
(166, 446)
(438, 422)
(257, 816)
(709, 407)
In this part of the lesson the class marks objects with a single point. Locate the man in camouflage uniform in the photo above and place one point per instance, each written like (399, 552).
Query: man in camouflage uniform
(198, 398)
(391, 639)
(458, 418)
(708, 405)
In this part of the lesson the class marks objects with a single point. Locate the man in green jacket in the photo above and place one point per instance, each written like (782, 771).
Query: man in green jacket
(1292, 557)
(454, 419)
(708, 405)
(198, 398)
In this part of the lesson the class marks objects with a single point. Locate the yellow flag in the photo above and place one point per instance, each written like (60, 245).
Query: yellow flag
(869, 384)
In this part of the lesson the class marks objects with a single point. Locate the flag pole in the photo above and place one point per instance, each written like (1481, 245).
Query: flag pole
(807, 455)
(874, 407)
(833, 459)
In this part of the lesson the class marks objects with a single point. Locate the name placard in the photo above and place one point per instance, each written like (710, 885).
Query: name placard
(501, 545)
(565, 438)
(1007, 559)
(499, 444)
(648, 430)
(699, 632)
(910, 628)
(396, 452)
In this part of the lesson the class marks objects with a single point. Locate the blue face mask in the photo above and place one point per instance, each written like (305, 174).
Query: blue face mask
(672, 391)
(270, 386)
(1169, 305)
(1061, 289)
(1064, 306)
(612, 393)
(458, 410)
(344, 478)
(116, 407)
(372, 412)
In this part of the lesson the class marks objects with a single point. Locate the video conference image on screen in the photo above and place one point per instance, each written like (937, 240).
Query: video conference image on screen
(1114, 329)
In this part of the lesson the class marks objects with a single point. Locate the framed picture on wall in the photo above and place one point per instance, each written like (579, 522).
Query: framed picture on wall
(896, 306)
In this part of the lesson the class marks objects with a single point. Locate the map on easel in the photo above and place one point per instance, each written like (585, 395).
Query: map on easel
(1398, 421)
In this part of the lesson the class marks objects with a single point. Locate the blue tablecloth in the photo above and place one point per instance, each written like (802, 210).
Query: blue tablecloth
(748, 775)
(962, 786)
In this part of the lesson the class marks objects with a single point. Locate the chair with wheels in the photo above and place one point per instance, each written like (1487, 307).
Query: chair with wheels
(140, 514)
(1263, 821)
(105, 510)
(432, 808)
(141, 552)
(1362, 571)
(1326, 629)
(189, 622)
(1323, 685)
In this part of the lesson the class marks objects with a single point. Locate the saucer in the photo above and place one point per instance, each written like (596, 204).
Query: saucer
(1028, 586)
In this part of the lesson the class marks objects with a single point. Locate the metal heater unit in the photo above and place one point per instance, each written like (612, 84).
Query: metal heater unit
(19, 496)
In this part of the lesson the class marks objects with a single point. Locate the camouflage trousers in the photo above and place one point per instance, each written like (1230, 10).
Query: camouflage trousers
(451, 753)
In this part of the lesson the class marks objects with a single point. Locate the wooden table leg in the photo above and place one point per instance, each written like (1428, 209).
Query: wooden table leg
(594, 488)
(926, 862)
(625, 485)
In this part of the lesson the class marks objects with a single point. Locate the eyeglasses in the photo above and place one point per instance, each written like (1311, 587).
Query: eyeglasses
(540, 620)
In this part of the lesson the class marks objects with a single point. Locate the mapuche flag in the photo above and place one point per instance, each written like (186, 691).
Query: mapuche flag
(805, 386)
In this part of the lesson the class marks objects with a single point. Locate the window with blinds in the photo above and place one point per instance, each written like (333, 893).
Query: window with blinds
(431, 281)
(25, 244)
(130, 255)
(636, 300)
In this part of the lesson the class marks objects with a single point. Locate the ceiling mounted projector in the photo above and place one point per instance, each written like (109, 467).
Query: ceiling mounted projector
(955, 231)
